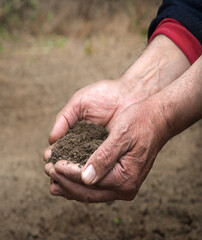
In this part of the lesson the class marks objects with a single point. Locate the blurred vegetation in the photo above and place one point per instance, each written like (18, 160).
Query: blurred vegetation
(14, 12)
(62, 18)
(52, 42)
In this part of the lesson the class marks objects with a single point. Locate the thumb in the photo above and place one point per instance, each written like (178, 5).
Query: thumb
(65, 119)
(104, 158)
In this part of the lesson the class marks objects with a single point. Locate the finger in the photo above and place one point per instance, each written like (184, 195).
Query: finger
(105, 157)
(82, 193)
(56, 189)
(66, 119)
(114, 179)
(52, 181)
(69, 170)
(48, 168)
(122, 177)
(47, 153)
(125, 178)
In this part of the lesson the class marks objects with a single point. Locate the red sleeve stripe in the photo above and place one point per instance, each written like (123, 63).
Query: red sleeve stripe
(184, 39)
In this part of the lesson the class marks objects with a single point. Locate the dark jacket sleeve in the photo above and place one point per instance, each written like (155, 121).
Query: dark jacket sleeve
(188, 12)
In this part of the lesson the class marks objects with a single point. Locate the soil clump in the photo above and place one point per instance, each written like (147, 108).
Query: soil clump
(79, 144)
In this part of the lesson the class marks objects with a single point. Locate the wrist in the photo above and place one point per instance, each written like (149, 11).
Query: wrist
(161, 63)
(179, 104)
(159, 118)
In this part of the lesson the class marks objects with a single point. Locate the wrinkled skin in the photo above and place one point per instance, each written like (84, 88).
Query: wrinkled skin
(123, 161)
(136, 123)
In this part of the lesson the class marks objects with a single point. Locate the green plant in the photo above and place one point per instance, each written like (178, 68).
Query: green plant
(117, 221)
(88, 47)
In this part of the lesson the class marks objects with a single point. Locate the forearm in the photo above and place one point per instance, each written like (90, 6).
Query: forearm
(181, 102)
(161, 63)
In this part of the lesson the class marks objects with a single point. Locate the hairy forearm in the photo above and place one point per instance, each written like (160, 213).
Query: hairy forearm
(161, 63)
(181, 102)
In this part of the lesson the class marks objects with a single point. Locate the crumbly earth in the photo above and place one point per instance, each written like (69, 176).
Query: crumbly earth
(79, 144)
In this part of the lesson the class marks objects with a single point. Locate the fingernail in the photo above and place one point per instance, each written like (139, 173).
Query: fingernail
(89, 174)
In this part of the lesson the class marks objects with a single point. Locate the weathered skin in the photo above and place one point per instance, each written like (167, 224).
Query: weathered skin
(142, 110)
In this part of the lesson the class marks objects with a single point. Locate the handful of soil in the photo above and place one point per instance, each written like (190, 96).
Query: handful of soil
(79, 143)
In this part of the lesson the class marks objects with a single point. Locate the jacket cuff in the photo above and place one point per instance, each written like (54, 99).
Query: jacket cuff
(184, 39)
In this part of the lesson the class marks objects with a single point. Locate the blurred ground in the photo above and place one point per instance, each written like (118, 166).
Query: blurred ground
(38, 74)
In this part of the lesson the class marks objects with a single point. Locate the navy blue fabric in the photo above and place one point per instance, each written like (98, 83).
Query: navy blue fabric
(188, 12)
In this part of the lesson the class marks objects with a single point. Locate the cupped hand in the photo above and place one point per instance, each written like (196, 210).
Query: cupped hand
(118, 167)
(136, 127)
(95, 103)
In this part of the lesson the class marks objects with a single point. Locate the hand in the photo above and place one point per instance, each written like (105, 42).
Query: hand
(143, 129)
(95, 103)
(120, 164)
(110, 173)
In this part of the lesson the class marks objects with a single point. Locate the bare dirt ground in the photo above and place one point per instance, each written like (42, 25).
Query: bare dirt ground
(36, 79)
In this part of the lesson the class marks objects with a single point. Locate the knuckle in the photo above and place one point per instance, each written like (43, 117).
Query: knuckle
(52, 174)
(103, 158)
(58, 115)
